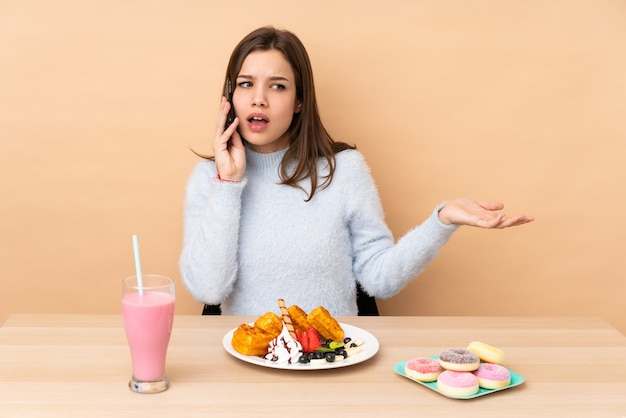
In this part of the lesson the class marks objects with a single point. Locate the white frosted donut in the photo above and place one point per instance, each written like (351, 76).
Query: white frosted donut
(492, 376)
(424, 369)
(457, 384)
(486, 352)
(458, 359)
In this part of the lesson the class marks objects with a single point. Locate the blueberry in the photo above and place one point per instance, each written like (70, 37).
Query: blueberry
(342, 353)
(347, 340)
(304, 359)
(330, 357)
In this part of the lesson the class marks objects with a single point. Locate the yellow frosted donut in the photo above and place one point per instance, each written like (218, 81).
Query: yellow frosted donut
(486, 353)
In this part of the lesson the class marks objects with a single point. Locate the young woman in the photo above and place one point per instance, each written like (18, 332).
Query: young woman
(283, 211)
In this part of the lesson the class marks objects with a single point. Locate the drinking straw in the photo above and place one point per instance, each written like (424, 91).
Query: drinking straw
(138, 265)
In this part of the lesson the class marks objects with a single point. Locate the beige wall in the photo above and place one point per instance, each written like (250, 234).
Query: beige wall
(521, 101)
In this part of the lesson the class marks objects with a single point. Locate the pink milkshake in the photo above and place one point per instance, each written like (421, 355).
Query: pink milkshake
(148, 319)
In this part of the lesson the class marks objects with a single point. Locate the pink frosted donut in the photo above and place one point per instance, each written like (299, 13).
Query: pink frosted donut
(492, 376)
(424, 369)
(457, 384)
(459, 360)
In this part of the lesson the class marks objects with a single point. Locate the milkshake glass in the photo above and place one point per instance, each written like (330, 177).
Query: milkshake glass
(148, 313)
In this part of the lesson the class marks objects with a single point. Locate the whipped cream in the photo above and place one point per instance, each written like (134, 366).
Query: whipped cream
(284, 349)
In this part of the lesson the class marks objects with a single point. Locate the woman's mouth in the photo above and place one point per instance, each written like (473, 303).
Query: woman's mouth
(257, 122)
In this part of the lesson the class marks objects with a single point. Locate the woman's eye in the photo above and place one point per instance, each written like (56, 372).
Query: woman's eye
(245, 84)
(278, 87)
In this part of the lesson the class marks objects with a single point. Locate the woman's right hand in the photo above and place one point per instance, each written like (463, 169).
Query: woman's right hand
(228, 148)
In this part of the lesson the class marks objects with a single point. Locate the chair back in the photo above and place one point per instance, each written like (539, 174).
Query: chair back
(365, 303)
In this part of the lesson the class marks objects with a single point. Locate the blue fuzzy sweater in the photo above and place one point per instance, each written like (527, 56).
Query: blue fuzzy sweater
(250, 243)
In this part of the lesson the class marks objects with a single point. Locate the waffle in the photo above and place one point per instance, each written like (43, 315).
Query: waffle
(327, 326)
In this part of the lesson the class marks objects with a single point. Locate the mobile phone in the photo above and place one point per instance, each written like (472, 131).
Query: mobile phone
(229, 96)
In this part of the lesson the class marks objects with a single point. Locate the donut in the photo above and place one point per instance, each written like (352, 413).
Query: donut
(459, 360)
(457, 384)
(492, 376)
(486, 352)
(424, 369)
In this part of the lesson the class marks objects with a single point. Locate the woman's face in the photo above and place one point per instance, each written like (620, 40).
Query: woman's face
(265, 100)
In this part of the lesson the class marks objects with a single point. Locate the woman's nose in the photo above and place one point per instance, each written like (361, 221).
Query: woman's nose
(259, 99)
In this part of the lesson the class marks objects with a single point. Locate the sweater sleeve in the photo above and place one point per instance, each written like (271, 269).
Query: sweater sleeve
(381, 266)
(208, 260)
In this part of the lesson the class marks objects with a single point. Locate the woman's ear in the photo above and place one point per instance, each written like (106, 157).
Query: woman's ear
(298, 108)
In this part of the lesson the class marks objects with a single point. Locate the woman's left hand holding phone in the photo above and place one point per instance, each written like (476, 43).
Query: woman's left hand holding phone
(228, 148)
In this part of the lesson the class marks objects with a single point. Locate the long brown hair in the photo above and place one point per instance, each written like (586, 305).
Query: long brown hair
(309, 139)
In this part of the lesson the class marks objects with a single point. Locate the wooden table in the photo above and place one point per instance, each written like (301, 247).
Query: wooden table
(79, 365)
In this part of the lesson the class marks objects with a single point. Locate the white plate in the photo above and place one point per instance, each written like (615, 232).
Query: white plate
(370, 348)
